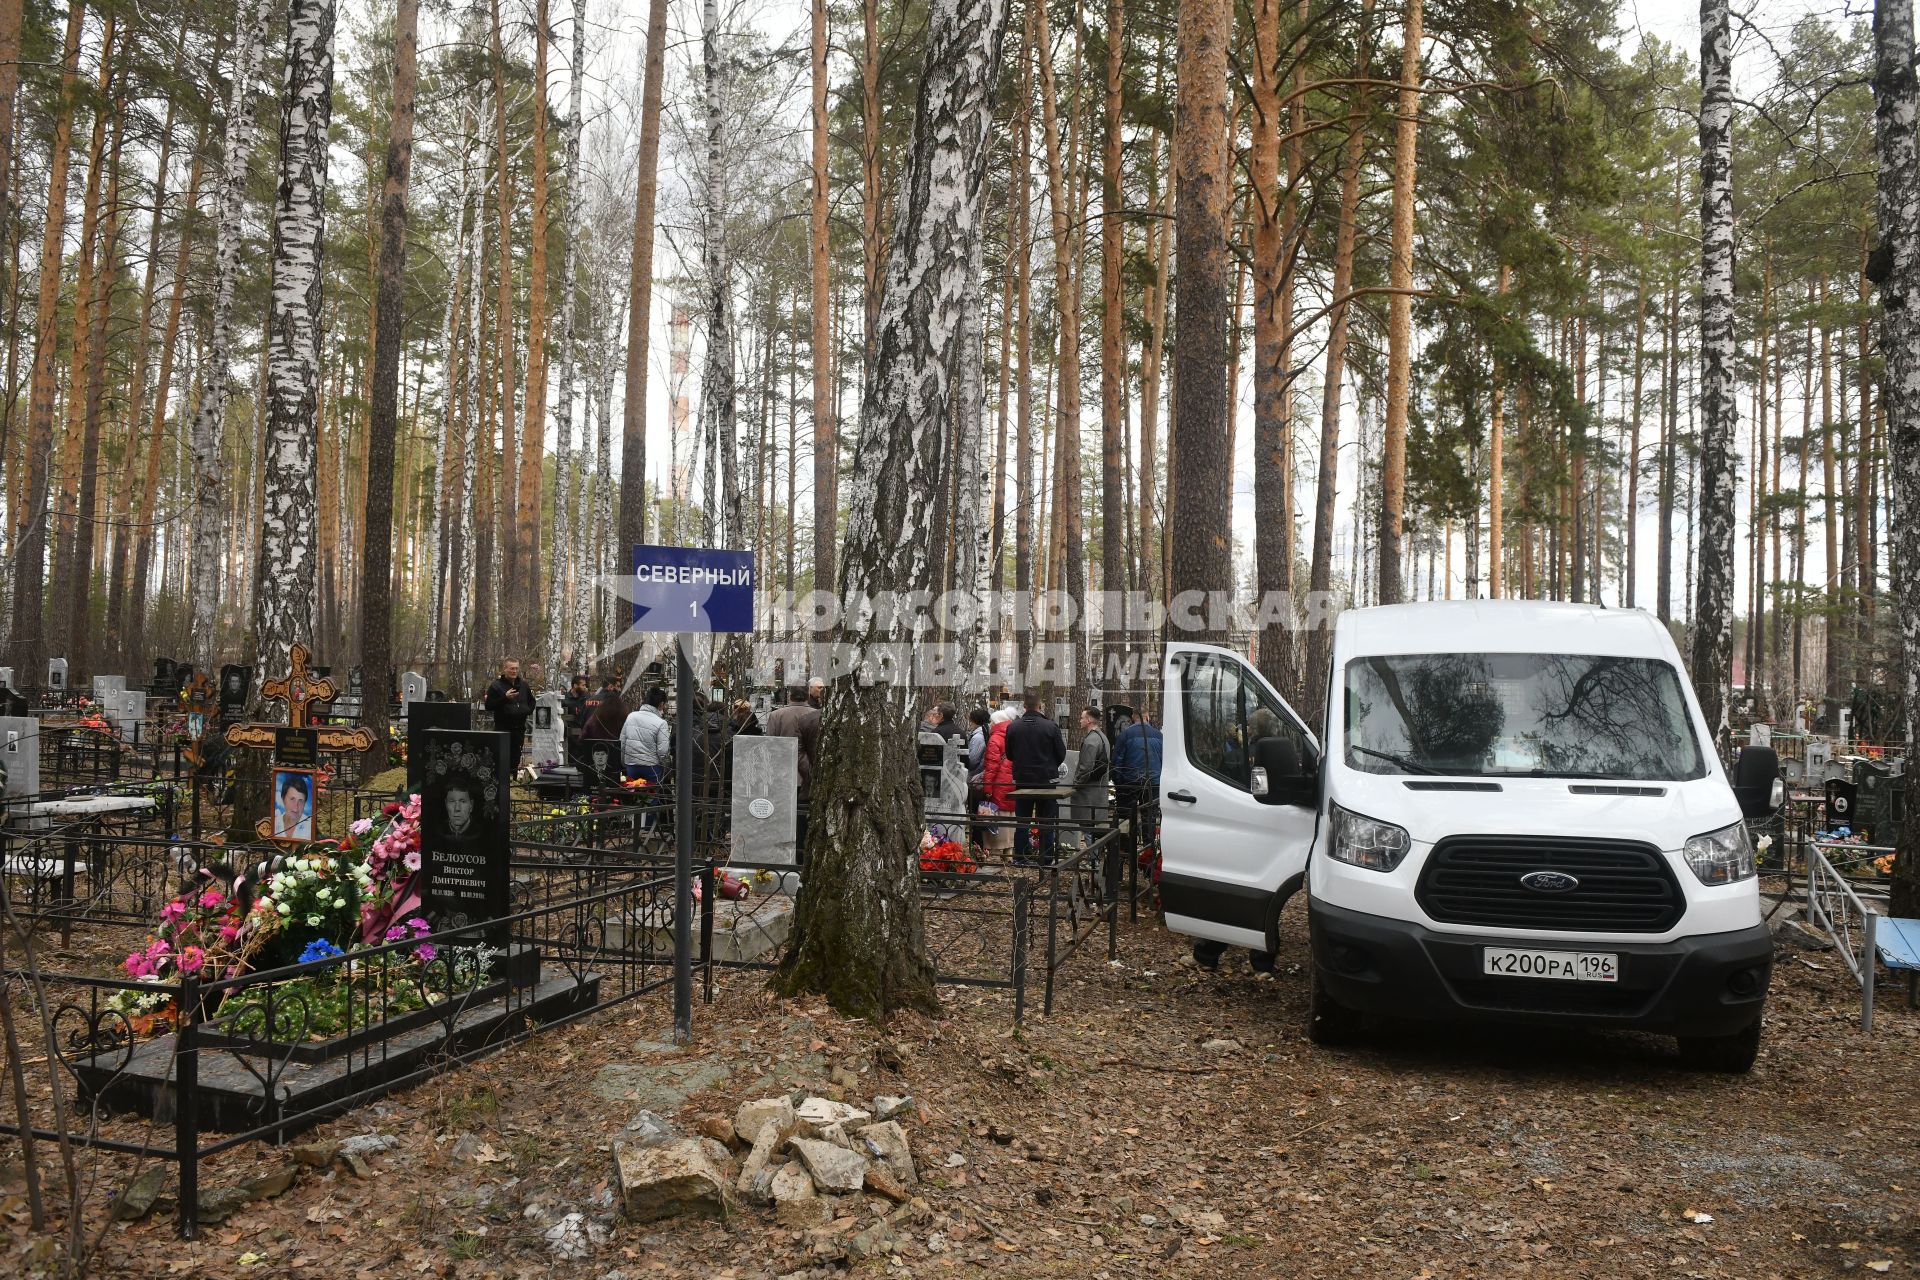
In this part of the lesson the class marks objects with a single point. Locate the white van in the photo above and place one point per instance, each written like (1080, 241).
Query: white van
(1518, 816)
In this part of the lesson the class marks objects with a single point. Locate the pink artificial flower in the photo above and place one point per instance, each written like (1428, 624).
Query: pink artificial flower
(173, 911)
(361, 826)
(425, 953)
(212, 898)
(411, 861)
(137, 966)
(191, 959)
(228, 932)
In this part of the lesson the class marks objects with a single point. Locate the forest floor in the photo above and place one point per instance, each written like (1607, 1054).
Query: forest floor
(1162, 1122)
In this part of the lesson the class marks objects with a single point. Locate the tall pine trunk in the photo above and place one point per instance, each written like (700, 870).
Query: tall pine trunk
(533, 432)
(1113, 350)
(633, 431)
(566, 633)
(389, 333)
(284, 580)
(1199, 502)
(858, 936)
(826, 450)
(1273, 233)
(1393, 463)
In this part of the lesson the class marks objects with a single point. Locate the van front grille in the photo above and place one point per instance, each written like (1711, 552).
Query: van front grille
(1623, 886)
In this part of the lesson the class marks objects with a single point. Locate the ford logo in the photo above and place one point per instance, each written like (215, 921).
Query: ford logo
(1549, 882)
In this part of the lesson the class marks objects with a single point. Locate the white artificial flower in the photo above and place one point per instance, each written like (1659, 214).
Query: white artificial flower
(284, 909)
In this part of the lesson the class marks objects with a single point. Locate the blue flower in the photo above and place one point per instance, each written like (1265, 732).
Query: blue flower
(318, 949)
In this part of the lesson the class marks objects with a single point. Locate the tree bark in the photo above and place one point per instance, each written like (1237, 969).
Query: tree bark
(283, 599)
(826, 449)
(29, 645)
(717, 379)
(858, 936)
(507, 532)
(633, 429)
(1895, 267)
(1113, 349)
(1719, 414)
(1393, 464)
(533, 432)
(389, 333)
(1201, 558)
(1273, 236)
(566, 629)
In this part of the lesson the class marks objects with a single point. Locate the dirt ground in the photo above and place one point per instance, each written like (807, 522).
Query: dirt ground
(1163, 1122)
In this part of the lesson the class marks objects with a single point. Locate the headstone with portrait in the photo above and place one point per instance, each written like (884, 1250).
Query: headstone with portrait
(126, 709)
(236, 687)
(56, 676)
(413, 688)
(422, 718)
(105, 685)
(766, 777)
(549, 730)
(465, 812)
(6, 677)
(20, 754)
(164, 679)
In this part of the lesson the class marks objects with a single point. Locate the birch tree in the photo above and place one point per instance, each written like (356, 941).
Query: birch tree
(566, 533)
(229, 202)
(1712, 654)
(716, 382)
(633, 431)
(826, 449)
(283, 591)
(858, 936)
(1895, 267)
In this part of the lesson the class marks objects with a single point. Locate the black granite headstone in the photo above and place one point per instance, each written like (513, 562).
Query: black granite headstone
(421, 717)
(465, 812)
(236, 687)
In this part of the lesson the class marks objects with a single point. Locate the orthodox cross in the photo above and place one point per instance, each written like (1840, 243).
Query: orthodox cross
(300, 689)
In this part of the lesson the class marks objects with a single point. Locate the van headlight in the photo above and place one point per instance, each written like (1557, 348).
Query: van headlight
(1721, 857)
(1367, 842)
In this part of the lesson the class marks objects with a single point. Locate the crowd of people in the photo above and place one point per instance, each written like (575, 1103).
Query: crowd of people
(1015, 755)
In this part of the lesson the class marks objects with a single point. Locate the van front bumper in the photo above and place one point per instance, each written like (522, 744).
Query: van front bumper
(1710, 985)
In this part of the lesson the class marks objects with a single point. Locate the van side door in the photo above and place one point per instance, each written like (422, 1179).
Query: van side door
(1228, 856)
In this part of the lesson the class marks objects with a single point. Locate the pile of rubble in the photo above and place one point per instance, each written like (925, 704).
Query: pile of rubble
(800, 1155)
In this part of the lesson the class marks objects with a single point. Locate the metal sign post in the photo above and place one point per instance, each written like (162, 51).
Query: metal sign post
(688, 590)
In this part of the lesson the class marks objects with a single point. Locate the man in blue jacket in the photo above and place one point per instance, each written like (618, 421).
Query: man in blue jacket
(1036, 749)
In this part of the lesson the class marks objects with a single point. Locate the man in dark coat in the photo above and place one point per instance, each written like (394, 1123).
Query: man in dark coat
(510, 703)
(1036, 749)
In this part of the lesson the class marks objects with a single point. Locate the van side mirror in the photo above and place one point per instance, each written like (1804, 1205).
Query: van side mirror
(1757, 784)
(1279, 776)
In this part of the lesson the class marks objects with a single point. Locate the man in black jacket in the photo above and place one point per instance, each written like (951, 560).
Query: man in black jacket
(510, 703)
(1036, 750)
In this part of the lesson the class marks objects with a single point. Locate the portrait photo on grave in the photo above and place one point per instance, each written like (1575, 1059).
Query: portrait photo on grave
(464, 815)
(293, 806)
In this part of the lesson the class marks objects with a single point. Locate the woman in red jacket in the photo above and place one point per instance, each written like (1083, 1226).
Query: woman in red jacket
(996, 777)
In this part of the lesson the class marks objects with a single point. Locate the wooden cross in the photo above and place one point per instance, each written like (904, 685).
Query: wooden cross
(299, 689)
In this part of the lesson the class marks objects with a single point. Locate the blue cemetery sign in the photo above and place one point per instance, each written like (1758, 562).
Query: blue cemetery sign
(692, 589)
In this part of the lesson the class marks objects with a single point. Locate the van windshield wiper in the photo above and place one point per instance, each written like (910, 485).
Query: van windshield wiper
(1411, 766)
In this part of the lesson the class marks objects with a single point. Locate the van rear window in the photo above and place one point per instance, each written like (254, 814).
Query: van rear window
(1520, 714)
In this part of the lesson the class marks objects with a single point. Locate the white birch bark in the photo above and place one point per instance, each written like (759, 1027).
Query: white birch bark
(1895, 267)
(976, 479)
(716, 383)
(229, 202)
(1712, 632)
(561, 561)
(283, 604)
(858, 934)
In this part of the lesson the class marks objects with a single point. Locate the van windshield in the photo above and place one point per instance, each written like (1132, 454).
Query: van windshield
(1520, 714)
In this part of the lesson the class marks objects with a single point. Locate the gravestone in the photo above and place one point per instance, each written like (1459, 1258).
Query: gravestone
(465, 812)
(236, 687)
(6, 677)
(1067, 768)
(953, 780)
(126, 709)
(423, 717)
(766, 777)
(930, 752)
(56, 676)
(11, 703)
(105, 685)
(413, 688)
(20, 754)
(1760, 735)
(165, 683)
(549, 730)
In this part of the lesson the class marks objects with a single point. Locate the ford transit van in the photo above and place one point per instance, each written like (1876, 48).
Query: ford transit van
(1512, 812)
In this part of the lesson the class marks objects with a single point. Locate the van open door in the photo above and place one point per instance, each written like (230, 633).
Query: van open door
(1239, 790)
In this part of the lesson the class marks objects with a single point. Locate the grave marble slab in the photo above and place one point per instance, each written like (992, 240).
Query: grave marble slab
(766, 778)
(549, 726)
(20, 753)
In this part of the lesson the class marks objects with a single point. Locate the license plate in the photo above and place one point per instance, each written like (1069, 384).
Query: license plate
(1567, 966)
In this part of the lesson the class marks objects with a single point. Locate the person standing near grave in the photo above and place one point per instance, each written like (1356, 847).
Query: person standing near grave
(979, 718)
(816, 693)
(510, 702)
(573, 709)
(646, 740)
(1035, 749)
(799, 719)
(1090, 776)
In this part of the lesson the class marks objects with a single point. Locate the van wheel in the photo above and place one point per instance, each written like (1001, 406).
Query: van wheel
(1328, 1021)
(1733, 1054)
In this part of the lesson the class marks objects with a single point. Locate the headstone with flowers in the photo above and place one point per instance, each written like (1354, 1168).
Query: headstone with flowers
(301, 690)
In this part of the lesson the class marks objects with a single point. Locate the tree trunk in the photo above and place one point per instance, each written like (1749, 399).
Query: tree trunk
(1024, 474)
(533, 433)
(1201, 557)
(633, 447)
(1713, 605)
(858, 936)
(1320, 579)
(80, 626)
(229, 200)
(1113, 350)
(1496, 467)
(389, 333)
(1393, 464)
(1895, 267)
(717, 379)
(872, 250)
(29, 645)
(826, 449)
(283, 599)
(507, 532)
(1273, 245)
